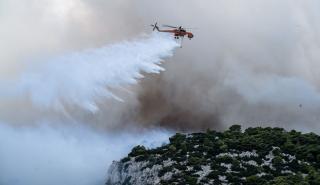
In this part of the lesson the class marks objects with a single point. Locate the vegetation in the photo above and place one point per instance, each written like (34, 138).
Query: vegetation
(255, 156)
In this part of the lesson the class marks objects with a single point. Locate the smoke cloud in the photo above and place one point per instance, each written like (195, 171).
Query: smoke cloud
(247, 63)
(250, 63)
(67, 155)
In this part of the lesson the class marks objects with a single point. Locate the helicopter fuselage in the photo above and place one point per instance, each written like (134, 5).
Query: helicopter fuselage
(178, 33)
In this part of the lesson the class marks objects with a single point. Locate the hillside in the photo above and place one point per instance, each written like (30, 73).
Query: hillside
(254, 156)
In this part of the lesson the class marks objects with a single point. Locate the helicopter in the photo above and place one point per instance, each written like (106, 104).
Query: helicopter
(178, 31)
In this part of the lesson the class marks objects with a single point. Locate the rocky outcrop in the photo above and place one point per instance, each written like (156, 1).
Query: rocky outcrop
(132, 172)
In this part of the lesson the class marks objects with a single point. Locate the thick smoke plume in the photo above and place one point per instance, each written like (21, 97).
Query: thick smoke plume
(254, 63)
(240, 67)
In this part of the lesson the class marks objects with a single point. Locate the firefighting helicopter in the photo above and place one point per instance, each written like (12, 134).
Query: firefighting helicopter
(178, 32)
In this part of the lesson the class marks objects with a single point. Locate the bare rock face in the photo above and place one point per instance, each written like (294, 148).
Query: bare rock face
(135, 173)
(256, 156)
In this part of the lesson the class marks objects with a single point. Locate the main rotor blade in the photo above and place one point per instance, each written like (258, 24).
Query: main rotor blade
(164, 25)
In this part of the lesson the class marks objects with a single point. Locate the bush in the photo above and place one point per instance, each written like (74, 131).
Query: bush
(194, 160)
(235, 128)
(138, 150)
(191, 180)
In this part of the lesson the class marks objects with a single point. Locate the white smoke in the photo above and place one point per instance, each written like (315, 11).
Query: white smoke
(83, 78)
(65, 155)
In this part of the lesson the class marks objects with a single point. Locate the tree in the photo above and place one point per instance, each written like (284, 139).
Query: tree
(288, 180)
(138, 150)
(255, 180)
(313, 177)
(172, 148)
(277, 163)
(191, 180)
(235, 128)
(177, 139)
(194, 160)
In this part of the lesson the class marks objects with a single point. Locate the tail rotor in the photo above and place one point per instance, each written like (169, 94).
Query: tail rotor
(154, 26)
